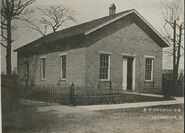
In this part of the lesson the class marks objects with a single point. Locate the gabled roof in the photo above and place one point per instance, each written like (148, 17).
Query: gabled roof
(87, 28)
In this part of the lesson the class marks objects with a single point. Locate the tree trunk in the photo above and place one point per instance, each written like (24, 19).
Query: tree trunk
(8, 61)
(178, 56)
(179, 47)
(9, 42)
(174, 59)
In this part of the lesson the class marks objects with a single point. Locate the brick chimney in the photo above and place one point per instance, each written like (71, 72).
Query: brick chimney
(112, 9)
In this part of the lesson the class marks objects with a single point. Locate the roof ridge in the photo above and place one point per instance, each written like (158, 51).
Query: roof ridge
(75, 27)
(86, 28)
(119, 13)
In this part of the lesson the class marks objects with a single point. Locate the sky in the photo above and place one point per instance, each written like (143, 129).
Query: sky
(86, 10)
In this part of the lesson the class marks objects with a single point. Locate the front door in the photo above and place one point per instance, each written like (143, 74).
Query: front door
(129, 72)
(128, 80)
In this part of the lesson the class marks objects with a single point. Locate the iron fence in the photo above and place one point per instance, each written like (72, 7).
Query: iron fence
(67, 94)
(71, 95)
(45, 95)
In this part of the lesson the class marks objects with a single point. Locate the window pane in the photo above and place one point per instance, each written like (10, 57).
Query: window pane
(63, 67)
(43, 62)
(148, 68)
(64, 73)
(104, 66)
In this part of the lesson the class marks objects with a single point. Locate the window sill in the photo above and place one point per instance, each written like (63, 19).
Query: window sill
(62, 79)
(149, 81)
(104, 80)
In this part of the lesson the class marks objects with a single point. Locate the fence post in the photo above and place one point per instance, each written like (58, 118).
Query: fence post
(72, 94)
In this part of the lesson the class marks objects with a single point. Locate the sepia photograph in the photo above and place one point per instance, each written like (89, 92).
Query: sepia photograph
(83, 66)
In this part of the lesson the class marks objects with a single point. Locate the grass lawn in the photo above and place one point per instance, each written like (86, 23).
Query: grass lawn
(158, 119)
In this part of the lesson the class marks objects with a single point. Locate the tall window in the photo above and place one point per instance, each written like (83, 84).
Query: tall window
(149, 69)
(43, 68)
(104, 66)
(63, 67)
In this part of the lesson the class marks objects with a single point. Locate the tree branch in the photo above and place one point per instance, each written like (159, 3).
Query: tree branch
(54, 17)
(20, 6)
(3, 45)
(33, 26)
(3, 37)
(170, 23)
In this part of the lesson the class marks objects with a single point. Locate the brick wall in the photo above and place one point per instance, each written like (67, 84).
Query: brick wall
(75, 68)
(123, 36)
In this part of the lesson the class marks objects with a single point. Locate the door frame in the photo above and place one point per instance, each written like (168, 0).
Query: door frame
(124, 73)
(126, 55)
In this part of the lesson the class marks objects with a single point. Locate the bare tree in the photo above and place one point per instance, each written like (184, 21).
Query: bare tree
(174, 27)
(11, 10)
(52, 18)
